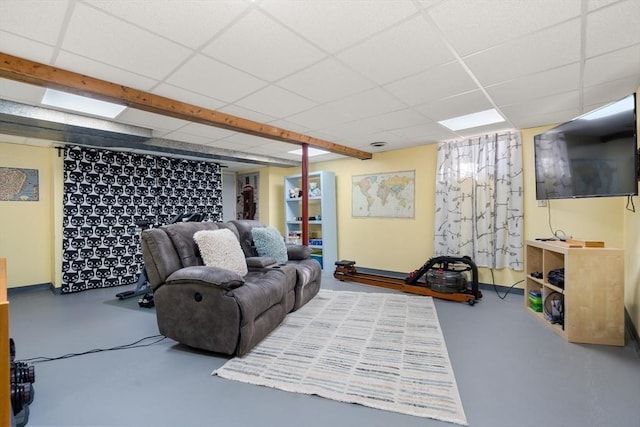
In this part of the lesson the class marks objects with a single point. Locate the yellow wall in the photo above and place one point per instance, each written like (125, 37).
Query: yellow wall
(31, 240)
(404, 244)
(26, 228)
(394, 244)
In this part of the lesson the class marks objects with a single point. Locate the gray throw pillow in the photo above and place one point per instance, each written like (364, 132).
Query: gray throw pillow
(269, 243)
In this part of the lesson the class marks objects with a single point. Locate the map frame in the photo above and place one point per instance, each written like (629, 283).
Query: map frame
(30, 189)
(408, 213)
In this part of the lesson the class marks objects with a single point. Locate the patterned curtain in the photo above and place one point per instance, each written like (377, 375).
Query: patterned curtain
(107, 192)
(479, 200)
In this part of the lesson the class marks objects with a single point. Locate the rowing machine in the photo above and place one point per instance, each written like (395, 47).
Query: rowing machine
(445, 279)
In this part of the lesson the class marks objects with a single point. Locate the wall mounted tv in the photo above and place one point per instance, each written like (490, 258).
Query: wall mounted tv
(594, 155)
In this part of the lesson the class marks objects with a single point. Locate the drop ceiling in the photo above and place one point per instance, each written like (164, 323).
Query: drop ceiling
(351, 72)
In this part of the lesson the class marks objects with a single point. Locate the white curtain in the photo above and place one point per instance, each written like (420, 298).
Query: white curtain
(479, 200)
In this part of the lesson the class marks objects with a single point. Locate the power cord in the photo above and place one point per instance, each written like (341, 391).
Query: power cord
(630, 202)
(495, 288)
(554, 233)
(135, 344)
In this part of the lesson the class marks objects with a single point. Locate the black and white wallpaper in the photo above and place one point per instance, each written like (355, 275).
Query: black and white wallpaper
(106, 192)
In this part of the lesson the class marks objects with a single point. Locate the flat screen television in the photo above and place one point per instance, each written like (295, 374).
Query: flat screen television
(594, 155)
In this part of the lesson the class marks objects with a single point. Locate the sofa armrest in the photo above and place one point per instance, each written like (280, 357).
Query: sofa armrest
(254, 262)
(225, 279)
(298, 252)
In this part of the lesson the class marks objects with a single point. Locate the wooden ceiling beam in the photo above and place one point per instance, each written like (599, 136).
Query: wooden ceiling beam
(26, 71)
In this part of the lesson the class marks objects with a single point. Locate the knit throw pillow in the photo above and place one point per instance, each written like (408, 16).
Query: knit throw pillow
(269, 243)
(220, 248)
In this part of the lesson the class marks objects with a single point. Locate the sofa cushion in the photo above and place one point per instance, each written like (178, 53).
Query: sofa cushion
(298, 252)
(260, 262)
(181, 235)
(243, 228)
(220, 248)
(269, 243)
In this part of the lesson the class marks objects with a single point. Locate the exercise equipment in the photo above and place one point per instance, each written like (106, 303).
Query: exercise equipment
(142, 285)
(445, 279)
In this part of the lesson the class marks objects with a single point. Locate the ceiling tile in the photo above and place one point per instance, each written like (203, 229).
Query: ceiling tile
(405, 49)
(558, 80)
(428, 3)
(101, 37)
(99, 70)
(472, 25)
(21, 92)
(454, 106)
(158, 122)
(24, 48)
(530, 113)
(189, 97)
(326, 81)
(364, 142)
(260, 46)
(187, 137)
(395, 120)
(20, 18)
(595, 96)
(318, 117)
(239, 141)
(288, 125)
(524, 118)
(336, 24)
(209, 132)
(352, 129)
(275, 102)
(366, 104)
(214, 79)
(613, 66)
(436, 83)
(544, 50)
(191, 25)
(597, 4)
(273, 148)
(483, 130)
(427, 132)
(613, 27)
(236, 110)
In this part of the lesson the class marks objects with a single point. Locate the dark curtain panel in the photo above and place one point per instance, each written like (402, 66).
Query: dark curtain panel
(107, 192)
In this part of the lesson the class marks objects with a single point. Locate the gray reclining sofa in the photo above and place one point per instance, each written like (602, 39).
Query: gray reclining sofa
(215, 309)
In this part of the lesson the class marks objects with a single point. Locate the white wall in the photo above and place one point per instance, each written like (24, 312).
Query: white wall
(228, 196)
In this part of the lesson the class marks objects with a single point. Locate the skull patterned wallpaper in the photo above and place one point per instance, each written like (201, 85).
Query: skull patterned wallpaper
(106, 192)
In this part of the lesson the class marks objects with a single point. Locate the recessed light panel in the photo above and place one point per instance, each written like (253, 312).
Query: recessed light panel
(473, 120)
(81, 104)
(310, 152)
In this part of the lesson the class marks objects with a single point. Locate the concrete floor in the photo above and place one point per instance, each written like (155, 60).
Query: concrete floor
(511, 371)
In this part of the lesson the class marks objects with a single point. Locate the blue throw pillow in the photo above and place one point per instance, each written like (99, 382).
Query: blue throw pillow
(269, 243)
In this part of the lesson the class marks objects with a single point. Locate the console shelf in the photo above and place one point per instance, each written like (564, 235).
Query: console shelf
(593, 291)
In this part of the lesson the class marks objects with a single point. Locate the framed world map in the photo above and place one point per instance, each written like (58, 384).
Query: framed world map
(383, 195)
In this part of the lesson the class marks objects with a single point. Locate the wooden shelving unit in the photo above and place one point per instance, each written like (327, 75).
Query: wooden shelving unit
(593, 291)
(5, 381)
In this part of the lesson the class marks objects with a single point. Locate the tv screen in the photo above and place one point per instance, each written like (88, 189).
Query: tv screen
(594, 155)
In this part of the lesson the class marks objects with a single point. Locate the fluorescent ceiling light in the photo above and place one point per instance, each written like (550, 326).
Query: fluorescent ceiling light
(81, 104)
(310, 152)
(473, 120)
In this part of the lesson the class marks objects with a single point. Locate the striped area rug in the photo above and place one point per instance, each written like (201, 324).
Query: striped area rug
(380, 350)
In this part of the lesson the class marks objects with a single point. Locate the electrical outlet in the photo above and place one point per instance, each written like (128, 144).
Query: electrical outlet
(542, 203)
